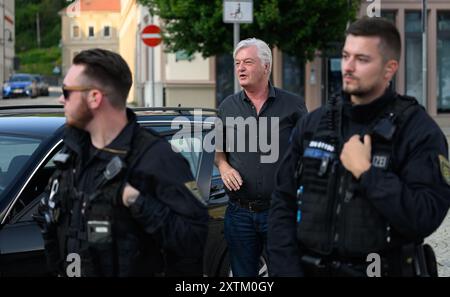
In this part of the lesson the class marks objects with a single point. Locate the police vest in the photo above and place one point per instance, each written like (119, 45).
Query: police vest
(332, 215)
(110, 242)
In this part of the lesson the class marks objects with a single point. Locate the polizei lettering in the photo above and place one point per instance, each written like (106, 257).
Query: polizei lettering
(321, 145)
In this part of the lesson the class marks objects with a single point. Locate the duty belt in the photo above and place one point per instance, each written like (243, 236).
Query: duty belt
(252, 205)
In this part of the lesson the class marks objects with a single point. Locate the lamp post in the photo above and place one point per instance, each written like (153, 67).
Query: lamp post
(4, 40)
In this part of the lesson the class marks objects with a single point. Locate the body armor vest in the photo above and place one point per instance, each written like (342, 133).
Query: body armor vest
(110, 243)
(333, 216)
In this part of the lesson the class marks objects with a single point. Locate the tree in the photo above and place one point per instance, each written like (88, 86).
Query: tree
(297, 27)
(50, 23)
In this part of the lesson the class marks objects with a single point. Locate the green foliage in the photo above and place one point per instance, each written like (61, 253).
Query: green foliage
(33, 59)
(41, 60)
(50, 23)
(297, 27)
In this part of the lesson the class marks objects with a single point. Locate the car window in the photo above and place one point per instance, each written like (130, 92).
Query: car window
(190, 147)
(28, 201)
(14, 153)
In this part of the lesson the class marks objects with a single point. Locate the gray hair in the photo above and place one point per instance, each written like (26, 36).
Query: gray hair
(262, 49)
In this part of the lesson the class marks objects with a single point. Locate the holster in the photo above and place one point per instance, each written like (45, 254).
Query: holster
(418, 260)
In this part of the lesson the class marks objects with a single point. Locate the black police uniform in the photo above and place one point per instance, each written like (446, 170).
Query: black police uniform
(162, 233)
(323, 221)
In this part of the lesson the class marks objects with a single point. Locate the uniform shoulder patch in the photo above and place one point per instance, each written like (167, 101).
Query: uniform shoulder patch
(444, 165)
(193, 188)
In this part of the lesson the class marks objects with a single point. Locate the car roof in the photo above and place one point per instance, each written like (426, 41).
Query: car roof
(43, 120)
(21, 74)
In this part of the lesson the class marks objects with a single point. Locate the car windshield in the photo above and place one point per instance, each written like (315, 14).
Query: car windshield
(20, 78)
(14, 153)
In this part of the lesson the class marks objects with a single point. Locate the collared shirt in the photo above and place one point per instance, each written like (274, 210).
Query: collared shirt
(255, 143)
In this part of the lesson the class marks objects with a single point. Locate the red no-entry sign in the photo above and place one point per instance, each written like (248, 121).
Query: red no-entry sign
(151, 35)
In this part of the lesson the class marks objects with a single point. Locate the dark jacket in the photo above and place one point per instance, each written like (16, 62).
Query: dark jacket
(257, 165)
(413, 195)
(164, 231)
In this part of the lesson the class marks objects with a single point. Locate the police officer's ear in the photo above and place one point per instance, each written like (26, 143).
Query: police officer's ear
(390, 68)
(95, 98)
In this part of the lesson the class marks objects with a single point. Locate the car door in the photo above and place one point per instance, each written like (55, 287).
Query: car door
(21, 243)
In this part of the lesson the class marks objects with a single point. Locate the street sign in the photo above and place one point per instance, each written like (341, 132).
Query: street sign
(151, 35)
(238, 11)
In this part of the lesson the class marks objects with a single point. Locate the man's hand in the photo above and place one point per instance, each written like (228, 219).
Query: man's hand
(130, 194)
(230, 177)
(356, 155)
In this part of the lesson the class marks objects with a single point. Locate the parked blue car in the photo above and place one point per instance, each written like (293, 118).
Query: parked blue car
(21, 84)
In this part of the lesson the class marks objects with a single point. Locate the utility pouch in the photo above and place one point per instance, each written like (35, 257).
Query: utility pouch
(99, 232)
(430, 260)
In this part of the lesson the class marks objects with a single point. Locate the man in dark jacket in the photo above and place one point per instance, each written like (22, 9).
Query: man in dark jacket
(260, 115)
(121, 201)
(366, 177)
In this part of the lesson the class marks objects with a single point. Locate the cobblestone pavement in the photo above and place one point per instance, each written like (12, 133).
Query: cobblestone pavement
(440, 241)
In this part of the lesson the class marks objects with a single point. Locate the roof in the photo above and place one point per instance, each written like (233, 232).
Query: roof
(92, 5)
(100, 5)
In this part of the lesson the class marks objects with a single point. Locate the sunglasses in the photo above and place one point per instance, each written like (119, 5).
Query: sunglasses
(66, 90)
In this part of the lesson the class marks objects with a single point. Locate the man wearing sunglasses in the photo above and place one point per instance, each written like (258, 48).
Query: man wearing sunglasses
(112, 203)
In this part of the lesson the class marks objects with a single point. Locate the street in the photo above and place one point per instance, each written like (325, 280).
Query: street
(52, 99)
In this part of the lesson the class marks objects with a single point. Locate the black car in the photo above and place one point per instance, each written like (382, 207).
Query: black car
(29, 139)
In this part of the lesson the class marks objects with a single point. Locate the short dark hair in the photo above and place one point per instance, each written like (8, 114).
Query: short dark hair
(110, 71)
(390, 42)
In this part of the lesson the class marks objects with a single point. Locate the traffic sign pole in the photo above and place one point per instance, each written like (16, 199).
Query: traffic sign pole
(236, 37)
(236, 12)
(151, 36)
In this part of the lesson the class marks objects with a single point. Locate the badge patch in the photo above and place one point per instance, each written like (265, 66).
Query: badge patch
(193, 188)
(445, 168)
(380, 161)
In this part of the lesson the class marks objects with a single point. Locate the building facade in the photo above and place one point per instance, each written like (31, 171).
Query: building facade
(176, 79)
(171, 79)
(7, 38)
(98, 24)
(322, 76)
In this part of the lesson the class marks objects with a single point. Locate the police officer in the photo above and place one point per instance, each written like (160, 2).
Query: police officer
(121, 199)
(366, 177)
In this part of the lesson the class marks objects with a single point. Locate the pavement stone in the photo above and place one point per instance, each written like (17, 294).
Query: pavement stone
(439, 240)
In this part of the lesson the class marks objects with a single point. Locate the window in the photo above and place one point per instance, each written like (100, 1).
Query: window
(443, 61)
(107, 31)
(91, 32)
(293, 75)
(413, 55)
(14, 153)
(388, 14)
(76, 31)
(190, 148)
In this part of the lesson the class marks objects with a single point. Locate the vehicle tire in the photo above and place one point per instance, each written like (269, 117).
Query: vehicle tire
(225, 267)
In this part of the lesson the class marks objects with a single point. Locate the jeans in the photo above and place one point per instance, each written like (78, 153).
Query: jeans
(246, 236)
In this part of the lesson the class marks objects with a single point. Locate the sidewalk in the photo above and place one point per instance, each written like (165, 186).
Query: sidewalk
(439, 240)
